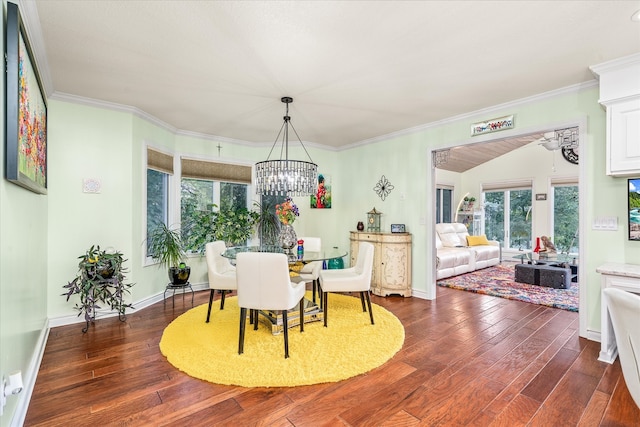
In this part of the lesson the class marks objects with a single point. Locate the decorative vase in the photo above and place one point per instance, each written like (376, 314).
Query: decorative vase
(287, 238)
(360, 226)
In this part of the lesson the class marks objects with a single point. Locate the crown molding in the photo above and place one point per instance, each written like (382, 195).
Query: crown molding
(75, 99)
(474, 114)
(615, 64)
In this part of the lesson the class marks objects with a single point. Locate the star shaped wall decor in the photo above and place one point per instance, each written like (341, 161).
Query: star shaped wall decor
(383, 187)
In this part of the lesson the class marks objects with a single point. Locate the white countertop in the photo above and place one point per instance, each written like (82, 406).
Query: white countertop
(620, 269)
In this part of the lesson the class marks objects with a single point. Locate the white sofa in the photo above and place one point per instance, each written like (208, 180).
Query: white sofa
(456, 254)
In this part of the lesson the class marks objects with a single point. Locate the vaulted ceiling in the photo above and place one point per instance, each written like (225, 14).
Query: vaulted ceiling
(357, 70)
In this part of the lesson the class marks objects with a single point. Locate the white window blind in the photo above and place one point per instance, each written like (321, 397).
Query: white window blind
(507, 185)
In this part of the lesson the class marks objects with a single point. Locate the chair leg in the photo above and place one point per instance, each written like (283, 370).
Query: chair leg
(210, 302)
(243, 322)
(222, 299)
(313, 291)
(254, 317)
(302, 314)
(364, 308)
(366, 293)
(324, 303)
(286, 333)
(317, 283)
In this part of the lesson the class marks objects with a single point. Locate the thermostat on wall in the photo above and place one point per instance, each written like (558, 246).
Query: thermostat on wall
(397, 228)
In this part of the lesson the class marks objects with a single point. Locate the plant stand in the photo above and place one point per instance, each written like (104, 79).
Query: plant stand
(172, 287)
(121, 316)
(99, 283)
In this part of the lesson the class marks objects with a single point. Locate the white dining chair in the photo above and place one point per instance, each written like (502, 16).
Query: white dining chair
(624, 309)
(264, 284)
(354, 279)
(220, 271)
(310, 273)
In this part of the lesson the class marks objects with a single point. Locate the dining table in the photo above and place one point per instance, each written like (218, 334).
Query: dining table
(312, 311)
(325, 254)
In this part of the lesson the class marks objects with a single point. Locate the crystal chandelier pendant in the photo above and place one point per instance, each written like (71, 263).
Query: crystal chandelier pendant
(284, 177)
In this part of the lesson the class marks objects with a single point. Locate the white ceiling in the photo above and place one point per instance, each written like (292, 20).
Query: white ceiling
(357, 70)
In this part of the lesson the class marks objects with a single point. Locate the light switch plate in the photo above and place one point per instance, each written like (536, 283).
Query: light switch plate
(608, 223)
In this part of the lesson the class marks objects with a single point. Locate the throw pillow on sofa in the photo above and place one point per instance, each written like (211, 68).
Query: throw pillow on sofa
(477, 240)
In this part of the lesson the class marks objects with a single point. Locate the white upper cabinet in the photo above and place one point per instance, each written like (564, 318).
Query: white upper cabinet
(620, 95)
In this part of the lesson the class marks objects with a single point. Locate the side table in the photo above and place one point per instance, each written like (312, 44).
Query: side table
(174, 288)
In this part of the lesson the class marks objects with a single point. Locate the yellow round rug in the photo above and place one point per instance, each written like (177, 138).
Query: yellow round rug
(349, 346)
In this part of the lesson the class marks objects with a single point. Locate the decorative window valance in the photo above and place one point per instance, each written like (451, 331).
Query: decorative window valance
(159, 161)
(215, 171)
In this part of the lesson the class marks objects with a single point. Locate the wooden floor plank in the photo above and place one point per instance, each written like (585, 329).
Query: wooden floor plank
(468, 359)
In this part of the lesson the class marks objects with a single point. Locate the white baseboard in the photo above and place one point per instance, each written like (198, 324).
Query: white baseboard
(143, 303)
(29, 377)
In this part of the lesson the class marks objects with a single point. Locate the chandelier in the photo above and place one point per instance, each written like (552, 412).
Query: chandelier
(286, 177)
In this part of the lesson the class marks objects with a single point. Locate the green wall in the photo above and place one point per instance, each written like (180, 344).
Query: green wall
(42, 236)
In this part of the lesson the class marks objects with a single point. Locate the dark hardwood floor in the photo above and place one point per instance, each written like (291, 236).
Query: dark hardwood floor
(468, 359)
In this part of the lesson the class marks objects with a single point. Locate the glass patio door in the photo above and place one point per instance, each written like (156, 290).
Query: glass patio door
(507, 217)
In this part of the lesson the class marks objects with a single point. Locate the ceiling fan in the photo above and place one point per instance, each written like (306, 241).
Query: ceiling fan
(566, 140)
(549, 141)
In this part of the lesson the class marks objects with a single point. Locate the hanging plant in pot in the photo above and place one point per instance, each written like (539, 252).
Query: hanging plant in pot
(100, 280)
(165, 246)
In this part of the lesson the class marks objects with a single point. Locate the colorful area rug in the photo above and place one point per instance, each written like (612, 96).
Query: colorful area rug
(349, 346)
(498, 281)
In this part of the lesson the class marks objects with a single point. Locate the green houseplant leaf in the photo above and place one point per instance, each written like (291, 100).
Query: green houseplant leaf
(165, 246)
(100, 280)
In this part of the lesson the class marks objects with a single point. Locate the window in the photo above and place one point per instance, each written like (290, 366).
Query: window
(159, 171)
(205, 190)
(507, 213)
(444, 197)
(201, 199)
(565, 217)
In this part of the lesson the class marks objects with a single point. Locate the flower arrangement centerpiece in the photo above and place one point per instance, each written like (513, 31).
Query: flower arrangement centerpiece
(287, 212)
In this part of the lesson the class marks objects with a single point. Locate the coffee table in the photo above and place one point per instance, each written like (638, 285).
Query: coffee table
(554, 270)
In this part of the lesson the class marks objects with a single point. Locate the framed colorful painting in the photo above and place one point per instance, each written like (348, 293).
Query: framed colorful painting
(26, 110)
(322, 197)
(633, 206)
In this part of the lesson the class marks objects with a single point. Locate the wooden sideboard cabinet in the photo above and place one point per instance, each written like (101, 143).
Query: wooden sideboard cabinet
(391, 262)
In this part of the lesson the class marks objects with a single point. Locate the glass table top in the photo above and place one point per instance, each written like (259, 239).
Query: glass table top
(550, 256)
(307, 256)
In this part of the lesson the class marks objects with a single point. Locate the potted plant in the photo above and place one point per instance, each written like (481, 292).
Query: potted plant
(234, 226)
(467, 203)
(165, 246)
(100, 279)
(267, 223)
